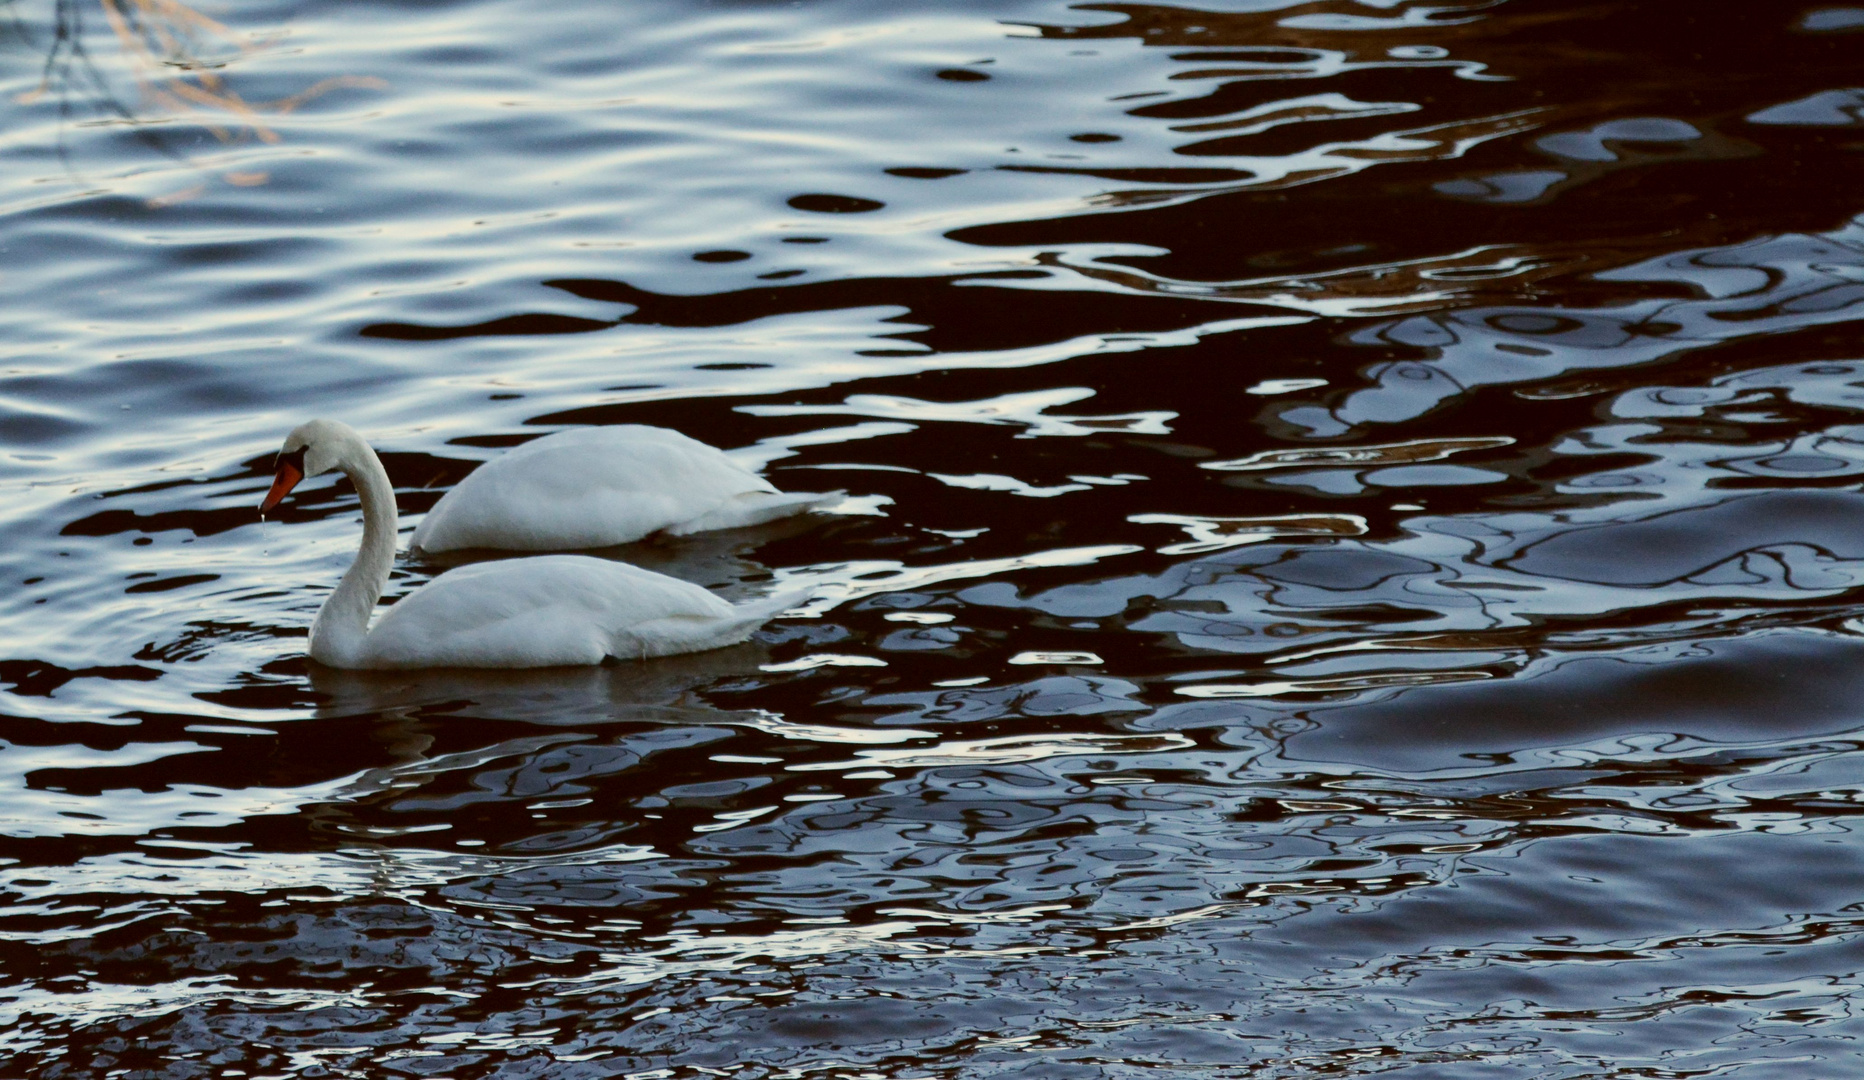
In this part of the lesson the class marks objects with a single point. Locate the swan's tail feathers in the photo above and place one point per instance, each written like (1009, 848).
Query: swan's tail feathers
(766, 608)
(693, 633)
(756, 508)
(751, 614)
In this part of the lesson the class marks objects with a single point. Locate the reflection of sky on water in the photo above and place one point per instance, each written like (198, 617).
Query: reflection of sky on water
(1259, 892)
(1765, 286)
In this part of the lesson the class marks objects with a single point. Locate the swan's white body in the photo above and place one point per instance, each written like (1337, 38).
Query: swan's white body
(544, 611)
(516, 613)
(594, 487)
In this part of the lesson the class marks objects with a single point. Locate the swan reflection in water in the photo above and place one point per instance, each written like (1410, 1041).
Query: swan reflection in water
(422, 744)
(661, 689)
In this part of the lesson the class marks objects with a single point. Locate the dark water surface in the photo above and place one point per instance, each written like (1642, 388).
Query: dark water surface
(1351, 563)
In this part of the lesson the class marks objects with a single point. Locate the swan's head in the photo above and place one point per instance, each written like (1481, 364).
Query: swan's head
(313, 447)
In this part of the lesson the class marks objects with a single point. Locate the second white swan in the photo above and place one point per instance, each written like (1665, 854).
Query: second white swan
(541, 611)
(599, 486)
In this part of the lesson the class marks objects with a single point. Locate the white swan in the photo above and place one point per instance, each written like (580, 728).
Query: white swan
(516, 613)
(593, 487)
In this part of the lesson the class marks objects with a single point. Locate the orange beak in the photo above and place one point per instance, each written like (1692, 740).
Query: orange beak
(290, 471)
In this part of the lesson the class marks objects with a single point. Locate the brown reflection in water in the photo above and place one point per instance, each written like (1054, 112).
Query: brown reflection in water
(176, 56)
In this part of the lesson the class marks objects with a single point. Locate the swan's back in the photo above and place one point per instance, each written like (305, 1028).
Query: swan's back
(554, 610)
(594, 487)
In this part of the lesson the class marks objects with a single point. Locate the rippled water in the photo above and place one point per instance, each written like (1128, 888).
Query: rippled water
(1350, 561)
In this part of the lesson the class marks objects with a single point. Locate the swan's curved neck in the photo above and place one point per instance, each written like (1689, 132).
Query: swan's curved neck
(340, 634)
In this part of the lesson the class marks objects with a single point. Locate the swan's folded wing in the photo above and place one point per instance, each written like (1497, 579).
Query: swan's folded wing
(550, 610)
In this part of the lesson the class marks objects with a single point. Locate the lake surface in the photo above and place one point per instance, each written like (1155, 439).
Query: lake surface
(1350, 562)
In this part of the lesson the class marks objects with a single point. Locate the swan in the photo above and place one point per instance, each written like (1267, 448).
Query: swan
(598, 486)
(540, 611)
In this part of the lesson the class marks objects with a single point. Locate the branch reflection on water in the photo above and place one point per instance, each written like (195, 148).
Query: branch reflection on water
(177, 59)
